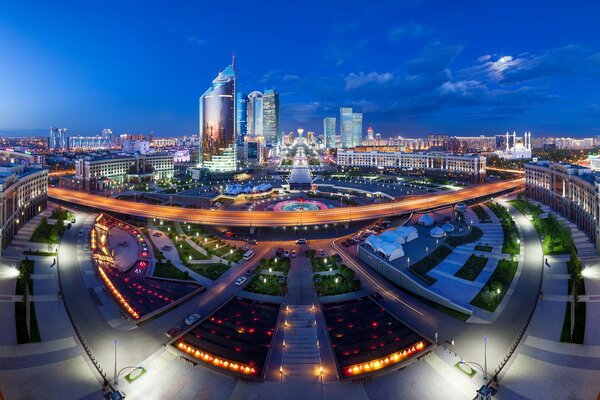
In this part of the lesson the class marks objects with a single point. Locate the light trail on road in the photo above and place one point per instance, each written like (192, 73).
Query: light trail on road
(279, 219)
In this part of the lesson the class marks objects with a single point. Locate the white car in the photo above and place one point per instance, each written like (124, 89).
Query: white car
(192, 318)
(239, 281)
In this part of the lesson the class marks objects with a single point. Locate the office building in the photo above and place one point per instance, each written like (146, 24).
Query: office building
(136, 146)
(255, 114)
(218, 142)
(254, 150)
(270, 125)
(329, 132)
(109, 172)
(461, 167)
(357, 119)
(346, 127)
(370, 134)
(241, 116)
(23, 195)
(571, 190)
(98, 142)
(163, 142)
(58, 139)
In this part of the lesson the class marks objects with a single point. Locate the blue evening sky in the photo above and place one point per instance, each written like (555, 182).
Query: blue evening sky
(412, 67)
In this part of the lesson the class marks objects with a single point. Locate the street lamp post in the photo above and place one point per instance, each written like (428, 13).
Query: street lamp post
(115, 375)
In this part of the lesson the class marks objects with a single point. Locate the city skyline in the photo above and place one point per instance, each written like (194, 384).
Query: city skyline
(410, 76)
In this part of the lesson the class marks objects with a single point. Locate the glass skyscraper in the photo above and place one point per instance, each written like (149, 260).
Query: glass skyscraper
(270, 101)
(255, 114)
(218, 123)
(329, 132)
(346, 127)
(241, 111)
(356, 129)
(58, 139)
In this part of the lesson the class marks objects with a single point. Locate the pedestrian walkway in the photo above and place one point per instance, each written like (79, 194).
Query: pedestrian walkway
(301, 354)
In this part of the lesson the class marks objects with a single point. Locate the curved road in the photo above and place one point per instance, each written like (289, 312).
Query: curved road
(268, 218)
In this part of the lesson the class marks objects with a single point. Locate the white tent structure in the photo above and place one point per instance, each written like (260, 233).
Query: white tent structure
(407, 233)
(448, 227)
(437, 232)
(390, 251)
(425, 220)
(388, 245)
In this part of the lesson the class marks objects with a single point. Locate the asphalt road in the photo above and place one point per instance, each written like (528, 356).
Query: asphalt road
(292, 218)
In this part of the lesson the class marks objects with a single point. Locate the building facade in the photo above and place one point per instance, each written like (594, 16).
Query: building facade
(106, 173)
(571, 190)
(329, 132)
(242, 115)
(471, 167)
(346, 126)
(255, 114)
(270, 124)
(218, 142)
(357, 124)
(23, 195)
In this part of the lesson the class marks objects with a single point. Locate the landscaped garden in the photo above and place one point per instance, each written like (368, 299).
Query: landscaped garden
(481, 214)
(344, 281)
(576, 289)
(48, 233)
(270, 277)
(426, 264)
(24, 287)
(322, 264)
(511, 243)
(473, 235)
(556, 238)
(472, 268)
(211, 271)
(493, 292)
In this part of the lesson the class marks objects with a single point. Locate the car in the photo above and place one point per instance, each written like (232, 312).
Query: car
(69, 226)
(286, 253)
(228, 233)
(293, 254)
(252, 242)
(81, 233)
(174, 331)
(73, 221)
(250, 271)
(192, 319)
(376, 296)
(279, 252)
(156, 234)
(301, 241)
(321, 252)
(240, 281)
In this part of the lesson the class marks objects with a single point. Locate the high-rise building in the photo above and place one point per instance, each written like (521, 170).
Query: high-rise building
(370, 134)
(356, 129)
(255, 114)
(58, 139)
(329, 132)
(242, 122)
(346, 127)
(218, 145)
(270, 104)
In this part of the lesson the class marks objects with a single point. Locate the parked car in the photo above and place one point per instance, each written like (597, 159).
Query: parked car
(69, 226)
(250, 271)
(287, 253)
(293, 253)
(228, 233)
(279, 252)
(240, 281)
(321, 252)
(174, 331)
(192, 319)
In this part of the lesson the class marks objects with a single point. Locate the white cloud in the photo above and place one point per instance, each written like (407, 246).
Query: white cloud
(355, 81)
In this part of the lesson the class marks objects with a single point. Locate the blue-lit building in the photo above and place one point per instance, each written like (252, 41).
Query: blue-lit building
(218, 141)
(357, 129)
(58, 139)
(270, 102)
(329, 132)
(255, 114)
(241, 121)
(346, 127)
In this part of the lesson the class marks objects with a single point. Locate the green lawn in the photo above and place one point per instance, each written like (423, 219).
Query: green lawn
(322, 264)
(426, 264)
(281, 265)
(473, 235)
(62, 214)
(266, 284)
(489, 298)
(211, 271)
(185, 250)
(168, 270)
(510, 245)
(472, 268)
(557, 238)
